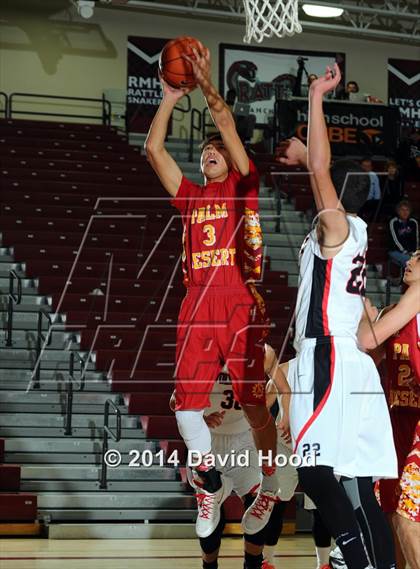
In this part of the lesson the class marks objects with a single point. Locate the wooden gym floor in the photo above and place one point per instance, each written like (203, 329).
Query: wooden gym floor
(293, 552)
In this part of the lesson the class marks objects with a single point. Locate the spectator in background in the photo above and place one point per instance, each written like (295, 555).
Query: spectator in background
(413, 169)
(404, 233)
(392, 188)
(371, 206)
(350, 93)
(408, 153)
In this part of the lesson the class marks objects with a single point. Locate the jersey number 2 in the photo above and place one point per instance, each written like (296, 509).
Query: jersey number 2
(357, 281)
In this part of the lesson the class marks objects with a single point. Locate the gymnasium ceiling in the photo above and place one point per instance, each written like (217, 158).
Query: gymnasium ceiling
(394, 20)
(382, 20)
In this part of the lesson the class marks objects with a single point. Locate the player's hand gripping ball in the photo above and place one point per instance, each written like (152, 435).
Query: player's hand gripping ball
(176, 62)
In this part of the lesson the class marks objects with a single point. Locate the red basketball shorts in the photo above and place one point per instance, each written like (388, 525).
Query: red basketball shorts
(403, 426)
(216, 326)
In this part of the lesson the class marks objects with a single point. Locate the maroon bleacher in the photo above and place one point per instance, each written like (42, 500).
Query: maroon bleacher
(15, 506)
(54, 179)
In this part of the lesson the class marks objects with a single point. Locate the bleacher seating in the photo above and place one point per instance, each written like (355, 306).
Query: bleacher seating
(114, 281)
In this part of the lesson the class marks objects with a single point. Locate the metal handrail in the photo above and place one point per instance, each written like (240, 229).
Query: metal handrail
(205, 123)
(108, 433)
(13, 299)
(189, 105)
(40, 339)
(6, 104)
(105, 115)
(195, 113)
(68, 431)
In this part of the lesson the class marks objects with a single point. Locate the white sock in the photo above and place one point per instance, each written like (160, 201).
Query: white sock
(269, 551)
(322, 555)
(194, 431)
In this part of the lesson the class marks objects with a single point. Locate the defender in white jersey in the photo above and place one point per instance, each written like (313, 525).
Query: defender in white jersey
(338, 413)
(338, 410)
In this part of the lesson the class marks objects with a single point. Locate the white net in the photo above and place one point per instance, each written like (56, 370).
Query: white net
(268, 18)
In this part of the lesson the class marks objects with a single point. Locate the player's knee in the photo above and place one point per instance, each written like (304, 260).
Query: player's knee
(316, 480)
(194, 431)
(258, 416)
(257, 539)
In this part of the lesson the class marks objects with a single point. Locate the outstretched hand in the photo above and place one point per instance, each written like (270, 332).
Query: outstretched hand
(327, 82)
(200, 63)
(291, 152)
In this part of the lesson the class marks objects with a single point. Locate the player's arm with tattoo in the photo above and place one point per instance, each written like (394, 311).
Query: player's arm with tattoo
(219, 110)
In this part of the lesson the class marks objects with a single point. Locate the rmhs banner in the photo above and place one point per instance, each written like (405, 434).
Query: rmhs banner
(404, 89)
(143, 87)
(353, 129)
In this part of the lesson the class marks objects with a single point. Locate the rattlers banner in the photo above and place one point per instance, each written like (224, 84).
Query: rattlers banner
(143, 87)
(404, 89)
(260, 76)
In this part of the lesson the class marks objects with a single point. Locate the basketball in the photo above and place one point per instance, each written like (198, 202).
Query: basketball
(176, 70)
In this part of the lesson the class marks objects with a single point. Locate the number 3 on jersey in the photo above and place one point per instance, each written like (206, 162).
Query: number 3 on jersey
(357, 281)
(230, 402)
(211, 234)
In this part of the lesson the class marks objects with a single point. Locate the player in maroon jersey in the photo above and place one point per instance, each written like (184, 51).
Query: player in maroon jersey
(222, 319)
(396, 336)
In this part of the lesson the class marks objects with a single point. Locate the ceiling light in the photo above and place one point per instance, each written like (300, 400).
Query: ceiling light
(85, 8)
(322, 11)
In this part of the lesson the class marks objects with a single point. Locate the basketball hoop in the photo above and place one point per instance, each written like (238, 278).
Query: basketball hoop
(268, 18)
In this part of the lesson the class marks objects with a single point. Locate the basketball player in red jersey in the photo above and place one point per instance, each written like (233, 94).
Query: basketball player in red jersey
(222, 319)
(396, 336)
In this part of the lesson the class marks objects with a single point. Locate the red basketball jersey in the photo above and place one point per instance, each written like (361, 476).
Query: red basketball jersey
(403, 365)
(222, 238)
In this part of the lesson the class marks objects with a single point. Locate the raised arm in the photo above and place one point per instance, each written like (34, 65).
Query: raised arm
(219, 110)
(372, 334)
(332, 221)
(159, 158)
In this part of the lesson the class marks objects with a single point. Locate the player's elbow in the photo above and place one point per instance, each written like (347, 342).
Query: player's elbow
(319, 169)
(151, 150)
(366, 340)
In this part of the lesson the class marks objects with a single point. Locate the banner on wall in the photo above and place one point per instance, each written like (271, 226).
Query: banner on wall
(353, 129)
(143, 87)
(404, 89)
(260, 76)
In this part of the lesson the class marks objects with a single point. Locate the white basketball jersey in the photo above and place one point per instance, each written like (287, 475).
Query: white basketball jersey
(331, 291)
(222, 399)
